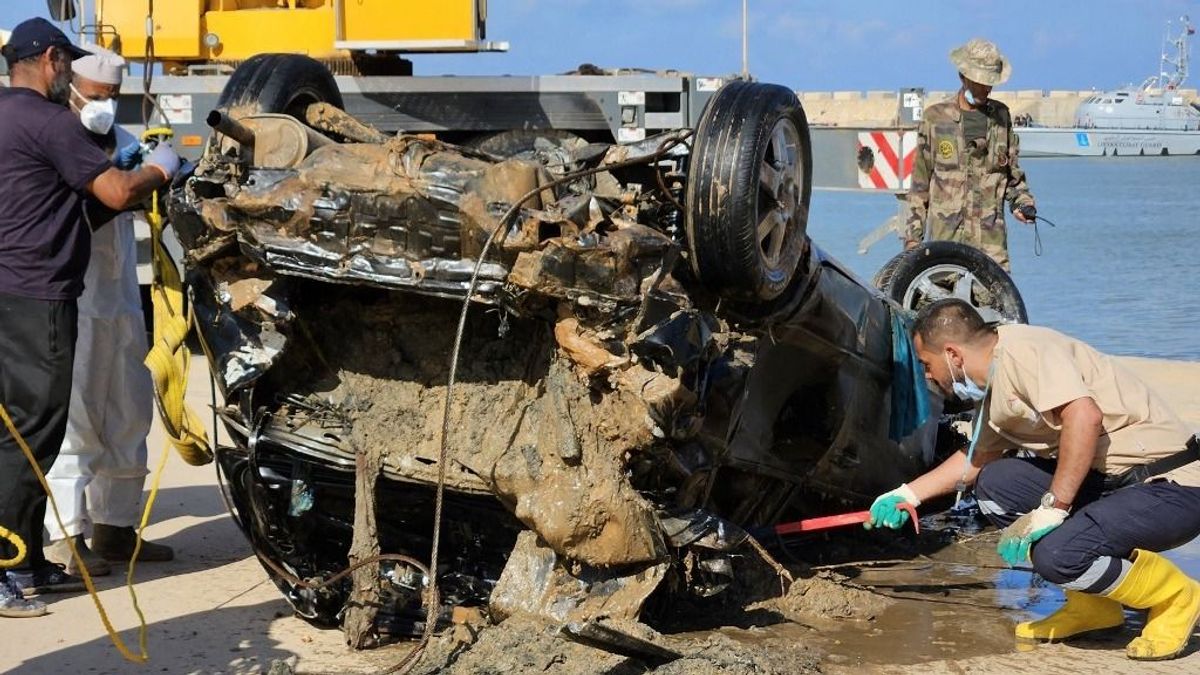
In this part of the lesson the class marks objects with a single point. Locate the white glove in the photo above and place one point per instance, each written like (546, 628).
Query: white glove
(906, 495)
(163, 158)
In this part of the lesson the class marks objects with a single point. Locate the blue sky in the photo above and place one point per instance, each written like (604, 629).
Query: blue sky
(810, 45)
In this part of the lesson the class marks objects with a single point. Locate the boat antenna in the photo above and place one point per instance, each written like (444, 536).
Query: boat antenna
(1181, 69)
(1179, 65)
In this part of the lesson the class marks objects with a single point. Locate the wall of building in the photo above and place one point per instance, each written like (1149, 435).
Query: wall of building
(881, 108)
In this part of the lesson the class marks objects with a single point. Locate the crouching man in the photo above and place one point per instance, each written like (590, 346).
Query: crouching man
(1112, 480)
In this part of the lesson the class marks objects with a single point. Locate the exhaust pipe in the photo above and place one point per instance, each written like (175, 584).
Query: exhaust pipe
(231, 128)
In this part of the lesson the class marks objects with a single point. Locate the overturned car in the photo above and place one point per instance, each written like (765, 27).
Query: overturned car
(655, 359)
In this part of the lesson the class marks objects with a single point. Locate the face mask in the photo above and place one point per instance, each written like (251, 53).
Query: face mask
(969, 96)
(965, 390)
(97, 116)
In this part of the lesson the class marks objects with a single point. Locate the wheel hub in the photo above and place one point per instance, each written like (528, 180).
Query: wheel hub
(780, 176)
(951, 281)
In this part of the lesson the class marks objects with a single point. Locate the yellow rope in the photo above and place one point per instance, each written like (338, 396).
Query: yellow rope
(14, 539)
(143, 656)
(169, 358)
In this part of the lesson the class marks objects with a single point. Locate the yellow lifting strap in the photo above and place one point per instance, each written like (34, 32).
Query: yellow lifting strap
(169, 358)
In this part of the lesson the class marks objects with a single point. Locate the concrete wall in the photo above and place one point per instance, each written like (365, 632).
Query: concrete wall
(880, 108)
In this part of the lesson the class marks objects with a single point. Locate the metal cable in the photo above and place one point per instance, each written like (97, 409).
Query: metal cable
(150, 103)
(432, 609)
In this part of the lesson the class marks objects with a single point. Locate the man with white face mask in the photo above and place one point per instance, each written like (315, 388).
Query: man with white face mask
(1113, 477)
(101, 468)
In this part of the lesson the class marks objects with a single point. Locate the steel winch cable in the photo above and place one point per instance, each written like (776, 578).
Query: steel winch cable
(150, 103)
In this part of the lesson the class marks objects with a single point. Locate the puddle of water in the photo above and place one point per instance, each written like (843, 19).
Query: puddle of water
(957, 607)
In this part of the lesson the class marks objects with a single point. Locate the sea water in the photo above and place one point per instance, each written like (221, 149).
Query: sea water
(1120, 269)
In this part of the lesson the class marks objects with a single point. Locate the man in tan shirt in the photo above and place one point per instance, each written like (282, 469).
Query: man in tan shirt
(1110, 475)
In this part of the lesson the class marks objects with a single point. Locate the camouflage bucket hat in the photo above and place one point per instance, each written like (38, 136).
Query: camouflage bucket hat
(981, 61)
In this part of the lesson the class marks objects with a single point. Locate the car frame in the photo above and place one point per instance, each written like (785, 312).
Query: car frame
(657, 358)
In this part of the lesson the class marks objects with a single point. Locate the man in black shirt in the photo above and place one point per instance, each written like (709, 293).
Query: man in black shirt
(48, 164)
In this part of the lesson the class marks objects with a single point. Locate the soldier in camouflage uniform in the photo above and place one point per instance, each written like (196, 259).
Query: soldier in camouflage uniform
(966, 161)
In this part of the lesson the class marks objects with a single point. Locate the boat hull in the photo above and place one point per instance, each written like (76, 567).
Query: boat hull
(1078, 142)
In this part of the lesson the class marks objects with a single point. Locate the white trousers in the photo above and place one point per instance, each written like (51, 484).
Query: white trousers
(101, 467)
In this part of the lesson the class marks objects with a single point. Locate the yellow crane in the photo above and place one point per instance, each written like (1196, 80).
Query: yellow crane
(192, 32)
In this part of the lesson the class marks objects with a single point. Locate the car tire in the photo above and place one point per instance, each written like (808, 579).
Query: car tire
(750, 172)
(278, 83)
(942, 269)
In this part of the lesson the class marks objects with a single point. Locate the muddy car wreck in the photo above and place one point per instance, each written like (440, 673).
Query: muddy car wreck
(656, 357)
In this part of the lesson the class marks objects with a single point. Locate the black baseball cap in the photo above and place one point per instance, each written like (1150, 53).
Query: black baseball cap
(34, 36)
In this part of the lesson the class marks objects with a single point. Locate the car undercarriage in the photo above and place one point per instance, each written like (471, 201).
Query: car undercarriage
(655, 357)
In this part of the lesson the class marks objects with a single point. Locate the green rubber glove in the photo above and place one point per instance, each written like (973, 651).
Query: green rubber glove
(885, 511)
(1018, 538)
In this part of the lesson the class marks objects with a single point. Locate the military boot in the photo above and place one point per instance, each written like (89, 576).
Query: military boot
(1081, 613)
(116, 544)
(1173, 598)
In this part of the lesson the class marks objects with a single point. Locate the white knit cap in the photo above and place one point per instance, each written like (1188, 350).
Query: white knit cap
(100, 66)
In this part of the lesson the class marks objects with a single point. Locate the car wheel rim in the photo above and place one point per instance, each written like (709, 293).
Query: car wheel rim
(952, 281)
(781, 174)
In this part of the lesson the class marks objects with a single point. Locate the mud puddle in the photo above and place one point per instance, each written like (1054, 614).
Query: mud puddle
(946, 605)
(904, 605)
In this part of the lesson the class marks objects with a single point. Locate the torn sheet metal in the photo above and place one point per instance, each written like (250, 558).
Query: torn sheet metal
(693, 527)
(535, 581)
(244, 344)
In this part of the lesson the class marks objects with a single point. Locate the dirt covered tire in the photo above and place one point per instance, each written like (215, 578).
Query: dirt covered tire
(748, 191)
(278, 83)
(946, 269)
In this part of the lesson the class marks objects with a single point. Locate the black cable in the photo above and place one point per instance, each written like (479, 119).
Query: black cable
(1037, 236)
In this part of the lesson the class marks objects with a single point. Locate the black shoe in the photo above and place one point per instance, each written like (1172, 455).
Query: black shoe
(49, 578)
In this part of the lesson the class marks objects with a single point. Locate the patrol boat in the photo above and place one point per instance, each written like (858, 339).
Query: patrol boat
(1150, 120)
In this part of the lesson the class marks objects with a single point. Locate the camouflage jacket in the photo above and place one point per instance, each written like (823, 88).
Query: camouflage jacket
(959, 192)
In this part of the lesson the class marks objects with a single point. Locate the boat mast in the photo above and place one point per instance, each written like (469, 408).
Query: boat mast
(1180, 62)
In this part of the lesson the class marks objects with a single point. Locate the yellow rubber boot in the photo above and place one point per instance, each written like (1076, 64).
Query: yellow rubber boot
(1081, 613)
(1173, 599)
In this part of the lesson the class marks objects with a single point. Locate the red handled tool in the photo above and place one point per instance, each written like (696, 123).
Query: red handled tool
(829, 522)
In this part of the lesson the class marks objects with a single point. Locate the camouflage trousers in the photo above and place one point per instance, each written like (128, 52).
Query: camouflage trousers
(991, 239)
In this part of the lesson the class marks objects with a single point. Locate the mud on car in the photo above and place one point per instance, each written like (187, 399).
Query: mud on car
(656, 356)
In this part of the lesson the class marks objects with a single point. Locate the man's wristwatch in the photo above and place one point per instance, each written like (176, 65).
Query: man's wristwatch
(1049, 501)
